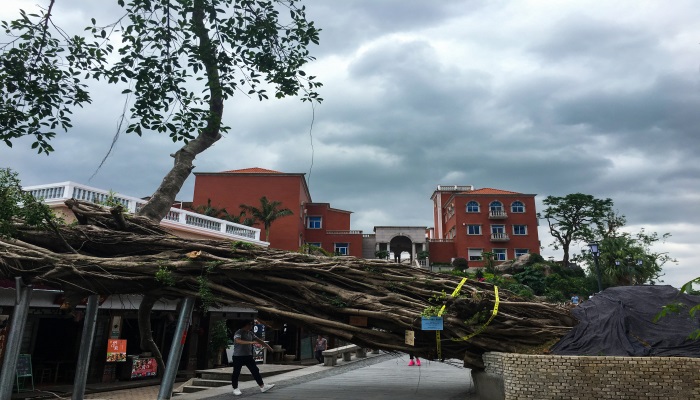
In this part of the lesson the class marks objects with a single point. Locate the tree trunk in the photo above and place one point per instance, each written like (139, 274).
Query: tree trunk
(164, 197)
(322, 294)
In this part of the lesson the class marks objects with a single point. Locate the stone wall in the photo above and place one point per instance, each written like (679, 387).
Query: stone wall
(545, 377)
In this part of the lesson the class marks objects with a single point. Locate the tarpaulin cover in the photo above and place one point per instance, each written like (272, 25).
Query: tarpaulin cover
(619, 322)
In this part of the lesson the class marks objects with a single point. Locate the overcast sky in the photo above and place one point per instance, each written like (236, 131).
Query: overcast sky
(545, 97)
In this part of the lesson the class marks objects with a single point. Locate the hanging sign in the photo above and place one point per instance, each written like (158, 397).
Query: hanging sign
(410, 338)
(431, 323)
(116, 350)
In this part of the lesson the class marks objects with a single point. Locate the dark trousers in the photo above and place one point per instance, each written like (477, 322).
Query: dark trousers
(319, 356)
(238, 363)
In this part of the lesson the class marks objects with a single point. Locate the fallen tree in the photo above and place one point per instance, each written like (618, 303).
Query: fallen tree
(110, 252)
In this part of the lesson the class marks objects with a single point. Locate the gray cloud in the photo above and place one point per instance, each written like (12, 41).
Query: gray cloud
(552, 99)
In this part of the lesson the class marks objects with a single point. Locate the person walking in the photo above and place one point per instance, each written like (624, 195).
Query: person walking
(412, 363)
(243, 341)
(321, 346)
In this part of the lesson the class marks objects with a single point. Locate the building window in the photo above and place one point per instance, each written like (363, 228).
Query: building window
(519, 229)
(517, 207)
(499, 254)
(520, 252)
(341, 248)
(496, 206)
(313, 244)
(472, 207)
(313, 222)
(498, 229)
(475, 254)
(473, 229)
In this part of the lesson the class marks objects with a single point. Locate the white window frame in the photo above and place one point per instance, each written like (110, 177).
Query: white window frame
(337, 248)
(309, 219)
(500, 254)
(477, 226)
(520, 234)
(498, 228)
(472, 254)
(478, 207)
(499, 207)
(521, 206)
(521, 252)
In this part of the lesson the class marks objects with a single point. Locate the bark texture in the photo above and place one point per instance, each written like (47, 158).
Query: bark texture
(132, 255)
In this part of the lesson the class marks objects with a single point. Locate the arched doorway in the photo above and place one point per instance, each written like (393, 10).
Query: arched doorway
(399, 245)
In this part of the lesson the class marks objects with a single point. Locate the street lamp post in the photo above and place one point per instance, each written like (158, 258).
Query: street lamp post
(596, 252)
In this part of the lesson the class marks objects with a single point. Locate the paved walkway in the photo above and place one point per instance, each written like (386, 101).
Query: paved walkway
(384, 377)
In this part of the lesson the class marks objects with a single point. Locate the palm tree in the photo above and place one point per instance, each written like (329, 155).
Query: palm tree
(210, 210)
(268, 212)
(221, 213)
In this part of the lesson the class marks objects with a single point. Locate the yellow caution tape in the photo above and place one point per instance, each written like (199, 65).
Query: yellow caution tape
(481, 329)
(437, 333)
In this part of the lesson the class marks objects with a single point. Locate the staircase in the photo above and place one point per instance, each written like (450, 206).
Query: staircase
(206, 379)
(212, 378)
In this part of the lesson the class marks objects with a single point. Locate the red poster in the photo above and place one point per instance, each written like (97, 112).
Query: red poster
(144, 367)
(116, 350)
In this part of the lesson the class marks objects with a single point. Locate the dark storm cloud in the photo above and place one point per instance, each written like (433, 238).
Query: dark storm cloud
(345, 27)
(582, 38)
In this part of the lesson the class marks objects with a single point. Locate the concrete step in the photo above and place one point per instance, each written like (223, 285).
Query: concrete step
(194, 389)
(216, 376)
(211, 382)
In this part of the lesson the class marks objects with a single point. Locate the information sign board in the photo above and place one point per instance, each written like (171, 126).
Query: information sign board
(431, 323)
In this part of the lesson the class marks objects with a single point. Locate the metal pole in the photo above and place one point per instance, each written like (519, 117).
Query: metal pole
(166, 385)
(81, 370)
(14, 339)
(597, 270)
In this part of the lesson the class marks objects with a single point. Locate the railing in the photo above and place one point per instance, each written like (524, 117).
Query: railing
(499, 237)
(498, 214)
(441, 240)
(67, 190)
(344, 232)
(455, 188)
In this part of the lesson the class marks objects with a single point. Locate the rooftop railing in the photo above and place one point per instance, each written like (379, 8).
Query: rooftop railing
(58, 192)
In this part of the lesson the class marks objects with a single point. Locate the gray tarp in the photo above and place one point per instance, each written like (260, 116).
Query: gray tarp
(619, 322)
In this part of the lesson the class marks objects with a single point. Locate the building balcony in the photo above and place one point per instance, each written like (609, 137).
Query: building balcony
(499, 237)
(58, 193)
(498, 214)
(344, 232)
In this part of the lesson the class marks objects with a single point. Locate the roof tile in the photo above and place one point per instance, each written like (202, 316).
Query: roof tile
(490, 191)
(254, 170)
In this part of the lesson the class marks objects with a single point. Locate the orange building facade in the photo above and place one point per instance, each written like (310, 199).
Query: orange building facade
(311, 223)
(469, 222)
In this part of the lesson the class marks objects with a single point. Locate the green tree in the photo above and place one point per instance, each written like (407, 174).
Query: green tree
(628, 258)
(221, 213)
(16, 204)
(176, 60)
(574, 217)
(268, 213)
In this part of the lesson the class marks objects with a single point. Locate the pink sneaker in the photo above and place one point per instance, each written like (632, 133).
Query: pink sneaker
(410, 363)
(418, 361)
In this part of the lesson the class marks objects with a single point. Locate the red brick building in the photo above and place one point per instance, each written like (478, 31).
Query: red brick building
(469, 222)
(312, 223)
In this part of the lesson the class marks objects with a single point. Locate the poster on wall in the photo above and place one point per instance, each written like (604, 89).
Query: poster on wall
(144, 367)
(116, 350)
(258, 351)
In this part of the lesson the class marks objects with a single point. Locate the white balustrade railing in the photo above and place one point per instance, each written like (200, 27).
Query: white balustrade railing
(67, 190)
(344, 232)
